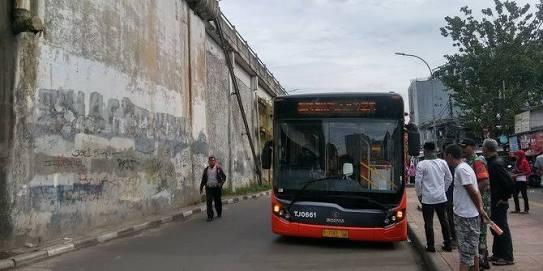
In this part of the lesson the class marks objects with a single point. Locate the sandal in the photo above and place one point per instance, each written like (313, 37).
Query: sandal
(501, 262)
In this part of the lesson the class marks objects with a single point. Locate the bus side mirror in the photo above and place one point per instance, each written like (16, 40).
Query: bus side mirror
(413, 140)
(267, 155)
(348, 169)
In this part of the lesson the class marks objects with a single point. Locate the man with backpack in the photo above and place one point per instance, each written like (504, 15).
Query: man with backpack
(501, 188)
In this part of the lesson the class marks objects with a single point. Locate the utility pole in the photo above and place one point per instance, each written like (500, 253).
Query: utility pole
(434, 131)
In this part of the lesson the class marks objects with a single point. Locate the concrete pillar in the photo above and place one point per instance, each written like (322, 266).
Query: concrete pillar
(256, 119)
(255, 113)
(197, 89)
(230, 97)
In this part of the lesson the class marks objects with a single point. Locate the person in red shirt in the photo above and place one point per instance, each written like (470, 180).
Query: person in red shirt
(520, 175)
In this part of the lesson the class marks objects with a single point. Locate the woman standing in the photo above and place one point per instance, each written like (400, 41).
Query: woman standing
(520, 174)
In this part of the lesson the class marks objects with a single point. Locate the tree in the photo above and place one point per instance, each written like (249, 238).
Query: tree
(498, 68)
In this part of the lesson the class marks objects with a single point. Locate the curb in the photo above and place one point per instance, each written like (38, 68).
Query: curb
(426, 259)
(53, 251)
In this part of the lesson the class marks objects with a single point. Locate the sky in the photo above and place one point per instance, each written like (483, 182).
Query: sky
(347, 45)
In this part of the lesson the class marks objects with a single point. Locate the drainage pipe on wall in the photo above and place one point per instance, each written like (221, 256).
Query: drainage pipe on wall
(206, 9)
(24, 20)
(209, 10)
(230, 65)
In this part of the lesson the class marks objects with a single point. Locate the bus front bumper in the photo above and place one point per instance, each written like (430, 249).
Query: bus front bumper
(393, 233)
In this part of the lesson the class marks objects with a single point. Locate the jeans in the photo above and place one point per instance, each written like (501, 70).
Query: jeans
(521, 187)
(503, 245)
(428, 214)
(213, 194)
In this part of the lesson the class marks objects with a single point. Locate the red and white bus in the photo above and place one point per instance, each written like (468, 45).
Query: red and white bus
(339, 166)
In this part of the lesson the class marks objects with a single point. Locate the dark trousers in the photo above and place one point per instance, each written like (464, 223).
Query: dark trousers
(450, 219)
(503, 244)
(213, 194)
(428, 214)
(521, 187)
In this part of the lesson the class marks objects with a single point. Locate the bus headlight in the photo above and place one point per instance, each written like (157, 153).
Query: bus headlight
(280, 211)
(394, 217)
(399, 214)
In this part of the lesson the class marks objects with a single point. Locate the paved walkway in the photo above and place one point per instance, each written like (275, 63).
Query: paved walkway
(526, 230)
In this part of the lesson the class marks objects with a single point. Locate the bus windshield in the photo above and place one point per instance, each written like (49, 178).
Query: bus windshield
(311, 149)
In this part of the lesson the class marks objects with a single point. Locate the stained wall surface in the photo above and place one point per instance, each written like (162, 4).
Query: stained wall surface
(110, 115)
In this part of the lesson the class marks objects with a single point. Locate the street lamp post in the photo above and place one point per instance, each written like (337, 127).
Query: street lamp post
(431, 86)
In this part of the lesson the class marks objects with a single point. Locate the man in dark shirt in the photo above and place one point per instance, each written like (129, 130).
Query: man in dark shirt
(501, 187)
(213, 179)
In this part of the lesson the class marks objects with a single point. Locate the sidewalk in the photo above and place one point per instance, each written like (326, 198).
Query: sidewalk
(526, 231)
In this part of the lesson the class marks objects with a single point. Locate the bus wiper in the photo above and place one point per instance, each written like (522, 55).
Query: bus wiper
(367, 199)
(295, 198)
(385, 208)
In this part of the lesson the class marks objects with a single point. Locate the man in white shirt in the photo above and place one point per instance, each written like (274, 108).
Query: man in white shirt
(432, 179)
(468, 207)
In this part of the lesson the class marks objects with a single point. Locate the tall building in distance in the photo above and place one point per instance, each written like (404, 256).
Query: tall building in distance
(433, 111)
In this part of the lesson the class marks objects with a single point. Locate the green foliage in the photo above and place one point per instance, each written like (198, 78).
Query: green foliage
(498, 69)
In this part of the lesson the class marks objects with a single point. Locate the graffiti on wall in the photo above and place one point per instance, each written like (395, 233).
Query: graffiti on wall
(96, 171)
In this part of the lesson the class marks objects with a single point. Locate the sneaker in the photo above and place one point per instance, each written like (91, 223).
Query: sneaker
(501, 262)
(447, 248)
(525, 212)
(209, 219)
(219, 216)
(430, 249)
(493, 258)
(515, 212)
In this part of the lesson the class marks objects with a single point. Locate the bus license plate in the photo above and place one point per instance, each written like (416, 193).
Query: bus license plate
(335, 233)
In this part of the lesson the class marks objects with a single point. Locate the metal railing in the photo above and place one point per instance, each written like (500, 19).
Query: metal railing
(251, 53)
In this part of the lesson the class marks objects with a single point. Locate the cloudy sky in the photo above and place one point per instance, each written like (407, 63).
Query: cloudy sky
(346, 45)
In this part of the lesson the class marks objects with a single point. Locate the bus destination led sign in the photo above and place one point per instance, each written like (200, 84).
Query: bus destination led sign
(342, 108)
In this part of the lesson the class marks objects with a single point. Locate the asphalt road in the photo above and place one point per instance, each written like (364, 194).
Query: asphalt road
(240, 240)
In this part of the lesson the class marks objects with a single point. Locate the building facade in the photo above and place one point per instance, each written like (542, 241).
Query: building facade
(433, 111)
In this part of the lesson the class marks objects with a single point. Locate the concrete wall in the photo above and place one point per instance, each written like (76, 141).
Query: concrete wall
(115, 108)
(7, 76)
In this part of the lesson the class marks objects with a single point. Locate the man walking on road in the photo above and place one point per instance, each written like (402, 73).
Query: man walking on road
(213, 179)
(467, 209)
(478, 164)
(432, 179)
(501, 187)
